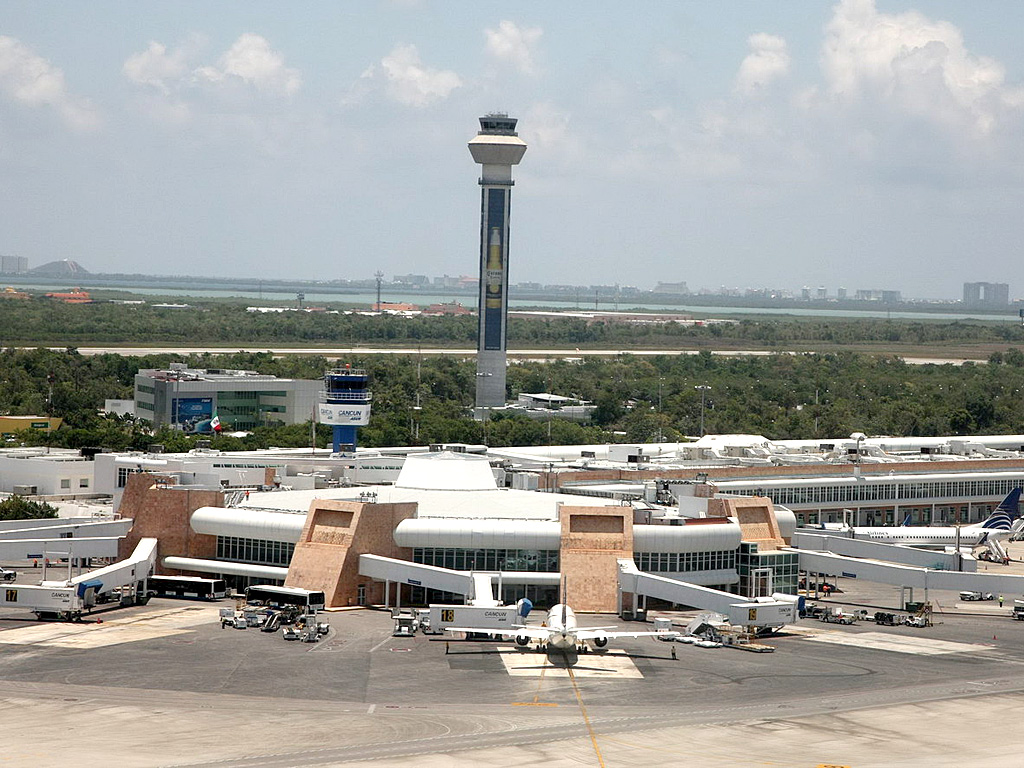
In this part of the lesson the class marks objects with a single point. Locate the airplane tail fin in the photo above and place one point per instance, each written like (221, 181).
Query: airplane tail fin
(906, 520)
(564, 603)
(1002, 517)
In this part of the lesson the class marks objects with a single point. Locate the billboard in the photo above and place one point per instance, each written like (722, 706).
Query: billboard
(348, 415)
(190, 412)
(494, 270)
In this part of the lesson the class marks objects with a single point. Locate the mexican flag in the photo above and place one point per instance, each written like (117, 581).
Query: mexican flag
(215, 423)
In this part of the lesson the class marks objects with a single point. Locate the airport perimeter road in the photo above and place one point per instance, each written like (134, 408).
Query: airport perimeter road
(163, 685)
(340, 352)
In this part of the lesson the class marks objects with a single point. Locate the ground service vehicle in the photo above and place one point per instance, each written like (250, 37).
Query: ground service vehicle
(968, 596)
(193, 587)
(6, 575)
(269, 594)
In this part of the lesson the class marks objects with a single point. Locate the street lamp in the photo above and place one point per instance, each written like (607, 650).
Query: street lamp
(703, 390)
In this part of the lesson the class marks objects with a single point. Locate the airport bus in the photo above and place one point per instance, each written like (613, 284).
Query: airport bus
(193, 587)
(268, 594)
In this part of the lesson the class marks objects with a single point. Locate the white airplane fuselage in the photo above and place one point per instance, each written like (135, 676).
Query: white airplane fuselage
(562, 630)
(924, 536)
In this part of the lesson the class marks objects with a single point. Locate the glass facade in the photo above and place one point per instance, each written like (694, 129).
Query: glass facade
(545, 560)
(246, 410)
(257, 551)
(762, 573)
(891, 492)
(683, 562)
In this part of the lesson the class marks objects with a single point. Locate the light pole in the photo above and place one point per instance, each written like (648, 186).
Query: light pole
(703, 390)
(660, 380)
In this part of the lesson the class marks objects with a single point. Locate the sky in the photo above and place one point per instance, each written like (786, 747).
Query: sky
(859, 143)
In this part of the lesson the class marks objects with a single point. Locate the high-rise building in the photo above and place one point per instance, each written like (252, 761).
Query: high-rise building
(986, 294)
(13, 265)
(496, 147)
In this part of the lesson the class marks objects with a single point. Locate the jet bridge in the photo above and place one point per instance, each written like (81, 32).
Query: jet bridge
(893, 553)
(760, 612)
(907, 576)
(39, 549)
(477, 586)
(68, 598)
(64, 528)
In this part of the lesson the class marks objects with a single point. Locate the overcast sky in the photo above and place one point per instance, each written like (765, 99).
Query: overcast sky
(781, 144)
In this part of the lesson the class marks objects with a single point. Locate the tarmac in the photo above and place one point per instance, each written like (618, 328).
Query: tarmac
(164, 685)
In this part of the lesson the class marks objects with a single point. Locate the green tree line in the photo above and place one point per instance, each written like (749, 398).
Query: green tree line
(41, 321)
(637, 398)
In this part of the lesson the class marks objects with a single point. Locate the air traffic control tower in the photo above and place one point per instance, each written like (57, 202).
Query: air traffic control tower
(496, 147)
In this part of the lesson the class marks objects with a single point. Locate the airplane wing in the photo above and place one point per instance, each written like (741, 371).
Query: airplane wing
(534, 633)
(593, 633)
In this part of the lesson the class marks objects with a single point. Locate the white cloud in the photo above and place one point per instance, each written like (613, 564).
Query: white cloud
(155, 66)
(911, 62)
(413, 84)
(514, 44)
(253, 61)
(767, 61)
(32, 80)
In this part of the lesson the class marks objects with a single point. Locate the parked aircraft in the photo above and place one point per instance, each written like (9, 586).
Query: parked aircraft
(1001, 524)
(559, 632)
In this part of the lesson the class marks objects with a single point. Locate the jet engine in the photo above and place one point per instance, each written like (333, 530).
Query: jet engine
(522, 641)
(601, 641)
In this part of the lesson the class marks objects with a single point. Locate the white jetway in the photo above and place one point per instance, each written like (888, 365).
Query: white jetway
(65, 529)
(907, 576)
(762, 612)
(53, 549)
(477, 586)
(68, 598)
(893, 553)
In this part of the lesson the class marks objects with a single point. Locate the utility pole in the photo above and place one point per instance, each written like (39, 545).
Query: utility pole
(703, 390)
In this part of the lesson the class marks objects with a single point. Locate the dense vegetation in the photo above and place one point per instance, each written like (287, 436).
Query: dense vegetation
(638, 398)
(17, 508)
(40, 321)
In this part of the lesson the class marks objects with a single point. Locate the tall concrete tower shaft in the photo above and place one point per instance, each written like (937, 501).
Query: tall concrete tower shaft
(496, 147)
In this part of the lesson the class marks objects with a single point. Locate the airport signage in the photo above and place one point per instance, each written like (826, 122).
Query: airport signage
(343, 415)
(415, 582)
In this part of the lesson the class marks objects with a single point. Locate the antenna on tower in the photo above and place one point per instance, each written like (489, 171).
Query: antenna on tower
(378, 275)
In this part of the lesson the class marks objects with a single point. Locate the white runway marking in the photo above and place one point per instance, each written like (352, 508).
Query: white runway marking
(113, 631)
(532, 664)
(879, 641)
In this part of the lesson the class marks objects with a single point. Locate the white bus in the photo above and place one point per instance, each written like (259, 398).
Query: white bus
(194, 587)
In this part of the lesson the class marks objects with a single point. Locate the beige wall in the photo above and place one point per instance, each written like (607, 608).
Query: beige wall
(161, 510)
(593, 539)
(336, 533)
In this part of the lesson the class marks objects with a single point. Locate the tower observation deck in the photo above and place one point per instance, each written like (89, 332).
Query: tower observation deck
(345, 405)
(496, 147)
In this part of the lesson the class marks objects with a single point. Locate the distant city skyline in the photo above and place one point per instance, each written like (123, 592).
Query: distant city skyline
(870, 144)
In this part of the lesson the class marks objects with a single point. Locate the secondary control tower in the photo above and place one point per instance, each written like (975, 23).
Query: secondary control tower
(496, 147)
(345, 405)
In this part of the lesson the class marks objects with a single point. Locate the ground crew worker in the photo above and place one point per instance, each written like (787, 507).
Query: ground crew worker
(1000, 601)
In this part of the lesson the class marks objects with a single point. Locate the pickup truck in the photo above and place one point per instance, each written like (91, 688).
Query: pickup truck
(6, 575)
(967, 596)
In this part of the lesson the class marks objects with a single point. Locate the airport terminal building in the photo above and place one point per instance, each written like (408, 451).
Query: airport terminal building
(446, 510)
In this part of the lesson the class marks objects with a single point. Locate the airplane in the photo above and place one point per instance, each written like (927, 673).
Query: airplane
(999, 525)
(560, 631)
